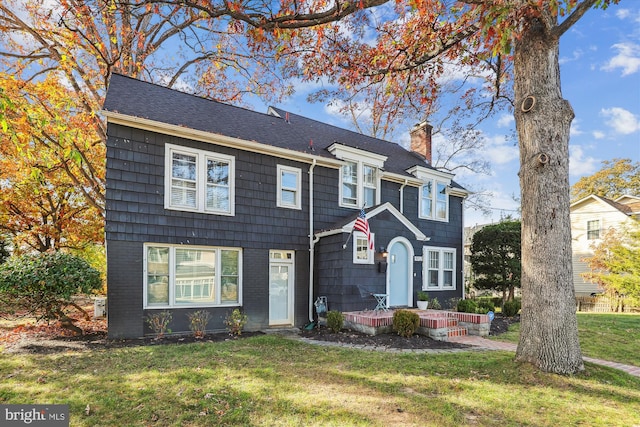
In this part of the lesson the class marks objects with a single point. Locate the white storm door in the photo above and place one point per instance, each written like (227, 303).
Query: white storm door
(281, 285)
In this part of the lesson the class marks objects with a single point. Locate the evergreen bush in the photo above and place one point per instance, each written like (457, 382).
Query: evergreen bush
(511, 308)
(335, 320)
(467, 306)
(405, 322)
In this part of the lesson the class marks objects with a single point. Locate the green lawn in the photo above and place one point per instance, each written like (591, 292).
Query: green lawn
(613, 337)
(275, 381)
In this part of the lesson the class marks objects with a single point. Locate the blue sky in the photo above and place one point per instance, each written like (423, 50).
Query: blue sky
(600, 71)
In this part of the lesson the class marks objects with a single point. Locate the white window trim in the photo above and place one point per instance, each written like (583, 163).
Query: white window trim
(434, 201)
(370, 252)
(425, 268)
(172, 274)
(360, 185)
(298, 201)
(599, 229)
(361, 158)
(201, 179)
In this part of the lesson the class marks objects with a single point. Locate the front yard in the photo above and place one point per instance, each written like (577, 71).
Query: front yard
(274, 381)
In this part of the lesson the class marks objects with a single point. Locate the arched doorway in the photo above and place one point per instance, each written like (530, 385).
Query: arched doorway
(400, 272)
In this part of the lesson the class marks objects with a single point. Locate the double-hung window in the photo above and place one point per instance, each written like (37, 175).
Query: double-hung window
(350, 184)
(593, 229)
(359, 185)
(434, 201)
(289, 187)
(359, 176)
(369, 184)
(189, 276)
(439, 268)
(362, 254)
(199, 181)
(434, 193)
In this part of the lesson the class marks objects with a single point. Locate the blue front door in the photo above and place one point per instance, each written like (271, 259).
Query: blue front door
(398, 275)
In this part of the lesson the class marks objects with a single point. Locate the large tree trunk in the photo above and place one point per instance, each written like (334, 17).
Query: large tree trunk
(549, 330)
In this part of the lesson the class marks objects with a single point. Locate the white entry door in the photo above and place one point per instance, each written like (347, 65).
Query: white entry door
(281, 286)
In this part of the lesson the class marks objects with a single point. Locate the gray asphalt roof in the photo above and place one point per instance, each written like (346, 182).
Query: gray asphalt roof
(141, 99)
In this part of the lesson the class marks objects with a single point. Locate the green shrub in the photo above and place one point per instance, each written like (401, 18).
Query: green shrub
(405, 322)
(484, 306)
(42, 285)
(511, 308)
(159, 322)
(434, 304)
(198, 321)
(335, 320)
(423, 296)
(467, 306)
(235, 322)
(452, 303)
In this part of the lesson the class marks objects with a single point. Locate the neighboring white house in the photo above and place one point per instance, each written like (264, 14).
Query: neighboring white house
(591, 217)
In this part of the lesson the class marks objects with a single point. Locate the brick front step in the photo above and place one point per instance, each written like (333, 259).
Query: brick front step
(437, 324)
(456, 332)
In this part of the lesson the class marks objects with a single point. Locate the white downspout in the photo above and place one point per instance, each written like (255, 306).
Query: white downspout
(464, 281)
(402, 196)
(312, 241)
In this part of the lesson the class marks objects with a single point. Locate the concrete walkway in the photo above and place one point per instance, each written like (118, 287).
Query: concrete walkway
(477, 344)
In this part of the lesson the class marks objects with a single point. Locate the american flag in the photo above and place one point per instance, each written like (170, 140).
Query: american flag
(363, 225)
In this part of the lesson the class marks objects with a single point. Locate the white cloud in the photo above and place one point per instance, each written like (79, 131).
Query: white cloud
(499, 151)
(363, 113)
(505, 120)
(598, 134)
(575, 55)
(628, 58)
(579, 164)
(575, 128)
(501, 204)
(621, 120)
(623, 13)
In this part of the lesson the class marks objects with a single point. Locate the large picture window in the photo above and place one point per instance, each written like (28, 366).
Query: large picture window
(439, 266)
(199, 181)
(177, 276)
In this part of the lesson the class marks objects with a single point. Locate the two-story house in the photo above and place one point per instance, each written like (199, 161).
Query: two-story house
(591, 217)
(211, 206)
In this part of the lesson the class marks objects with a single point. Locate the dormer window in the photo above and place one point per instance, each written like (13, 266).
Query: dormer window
(434, 201)
(434, 193)
(359, 176)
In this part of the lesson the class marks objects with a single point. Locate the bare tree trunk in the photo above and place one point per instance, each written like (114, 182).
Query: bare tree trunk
(549, 330)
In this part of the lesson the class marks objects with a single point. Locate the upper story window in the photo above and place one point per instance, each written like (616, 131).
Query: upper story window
(289, 187)
(199, 181)
(593, 229)
(434, 193)
(359, 176)
(190, 276)
(439, 266)
(434, 201)
(359, 185)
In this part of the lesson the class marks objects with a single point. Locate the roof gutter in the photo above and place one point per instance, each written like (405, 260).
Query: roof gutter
(214, 138)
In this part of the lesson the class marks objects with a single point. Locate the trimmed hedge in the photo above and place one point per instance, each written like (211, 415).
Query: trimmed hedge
(405, 322)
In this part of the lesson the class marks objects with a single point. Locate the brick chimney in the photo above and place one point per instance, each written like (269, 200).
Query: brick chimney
(421, 140)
